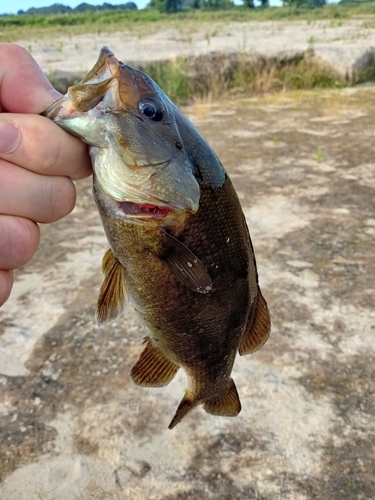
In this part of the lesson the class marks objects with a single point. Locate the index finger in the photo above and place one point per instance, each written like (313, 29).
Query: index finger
(43, 147)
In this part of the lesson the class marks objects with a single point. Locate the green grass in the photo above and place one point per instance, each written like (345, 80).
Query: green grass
(13, 28)
(181, 80)
(184, 81)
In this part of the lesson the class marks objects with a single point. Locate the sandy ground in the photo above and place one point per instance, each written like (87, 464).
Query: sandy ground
(344, 45)
(72, 424)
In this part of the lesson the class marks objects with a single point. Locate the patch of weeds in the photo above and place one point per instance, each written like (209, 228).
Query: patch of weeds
(311, 40)
(319, 156)
(183, 79)
(366, 74)
(171, 76)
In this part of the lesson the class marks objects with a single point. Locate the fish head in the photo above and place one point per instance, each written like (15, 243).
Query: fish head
(135, 143)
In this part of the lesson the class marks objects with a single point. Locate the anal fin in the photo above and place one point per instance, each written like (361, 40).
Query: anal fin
(226, 405)
(112, 296)
(187, 403)
(258, 328)
(153, 368)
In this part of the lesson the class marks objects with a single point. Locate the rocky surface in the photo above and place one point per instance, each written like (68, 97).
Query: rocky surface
(72, 424)
(346, 46)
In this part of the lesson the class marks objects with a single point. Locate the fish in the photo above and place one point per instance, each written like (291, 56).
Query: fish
(180, 249)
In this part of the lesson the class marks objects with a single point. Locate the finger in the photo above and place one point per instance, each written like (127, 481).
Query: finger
(38, 144)
(19, 240)
(24, 86)
(41, 198)
(6, 283)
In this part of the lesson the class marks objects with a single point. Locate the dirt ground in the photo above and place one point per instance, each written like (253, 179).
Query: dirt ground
(74, 426)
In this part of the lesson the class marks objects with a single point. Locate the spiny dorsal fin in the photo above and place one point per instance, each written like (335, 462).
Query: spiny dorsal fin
(187, 403)
(186, 266)
(153, 368)
(258, 328)
(107, 261)
(226, 405)
(112, 296)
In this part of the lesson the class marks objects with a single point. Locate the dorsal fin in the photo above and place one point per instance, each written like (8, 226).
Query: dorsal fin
(226, 405)
(257, 329)
(153, 368)
(187, 403)
(112, 296)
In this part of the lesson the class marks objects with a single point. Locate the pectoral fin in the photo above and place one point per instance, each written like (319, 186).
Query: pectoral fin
(258, 328)
(186, 266)
(226, 405)
(153, 368)
(112, 296)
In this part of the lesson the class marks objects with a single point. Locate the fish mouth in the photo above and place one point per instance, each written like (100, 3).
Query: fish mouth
(144, 210)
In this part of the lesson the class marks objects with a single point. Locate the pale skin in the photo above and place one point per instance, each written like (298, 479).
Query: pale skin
(38, 162)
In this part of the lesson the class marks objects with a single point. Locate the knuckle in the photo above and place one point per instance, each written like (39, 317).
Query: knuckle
(59, 196)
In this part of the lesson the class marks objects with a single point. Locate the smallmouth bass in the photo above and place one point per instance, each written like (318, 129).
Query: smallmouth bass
(180, 249)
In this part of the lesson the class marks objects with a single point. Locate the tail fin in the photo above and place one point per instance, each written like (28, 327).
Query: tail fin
(187, 403)
(226, 405)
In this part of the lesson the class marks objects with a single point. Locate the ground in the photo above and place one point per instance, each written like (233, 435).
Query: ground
(74, 426)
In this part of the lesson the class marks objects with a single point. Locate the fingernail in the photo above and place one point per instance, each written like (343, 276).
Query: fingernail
(10, 137)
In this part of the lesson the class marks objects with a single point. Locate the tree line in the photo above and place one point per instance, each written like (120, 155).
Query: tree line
(173, 6)
(58, 8)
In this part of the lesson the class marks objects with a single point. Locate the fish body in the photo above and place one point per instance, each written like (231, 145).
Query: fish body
(180, 249)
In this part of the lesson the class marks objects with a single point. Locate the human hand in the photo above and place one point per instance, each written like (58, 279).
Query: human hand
(38, 162)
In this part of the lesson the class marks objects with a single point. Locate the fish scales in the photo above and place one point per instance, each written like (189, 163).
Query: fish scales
(209, 323)
(180, 247)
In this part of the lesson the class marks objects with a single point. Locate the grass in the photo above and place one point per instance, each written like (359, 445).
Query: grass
(23, 27)
(182, 80)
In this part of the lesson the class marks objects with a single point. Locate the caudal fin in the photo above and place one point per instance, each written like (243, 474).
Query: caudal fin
(187, 403)
(226, 405)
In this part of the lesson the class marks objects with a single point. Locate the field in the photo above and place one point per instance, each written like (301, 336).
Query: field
(65, 44)
(13, 28)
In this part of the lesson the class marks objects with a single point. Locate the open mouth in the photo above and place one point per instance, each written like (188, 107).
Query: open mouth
(144, 209)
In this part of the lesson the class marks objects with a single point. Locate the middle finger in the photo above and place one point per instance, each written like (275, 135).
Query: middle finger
(41, 198)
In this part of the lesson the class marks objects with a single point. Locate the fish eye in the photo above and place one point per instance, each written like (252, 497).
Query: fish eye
(152, 109)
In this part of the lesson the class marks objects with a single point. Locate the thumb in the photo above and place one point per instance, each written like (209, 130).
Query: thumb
(24, 86)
